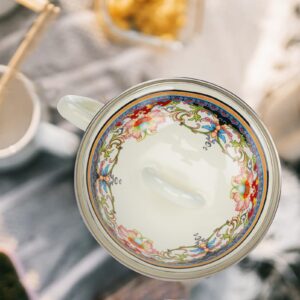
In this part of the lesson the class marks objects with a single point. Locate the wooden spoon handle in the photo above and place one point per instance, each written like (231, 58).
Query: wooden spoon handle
(34, 5)
(28, 42)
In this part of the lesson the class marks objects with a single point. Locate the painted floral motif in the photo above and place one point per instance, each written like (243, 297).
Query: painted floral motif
(145, 120)
(142, 123)
(104, 177)
(244, 191)
(134, 240)
(217, 131)
(244, 187)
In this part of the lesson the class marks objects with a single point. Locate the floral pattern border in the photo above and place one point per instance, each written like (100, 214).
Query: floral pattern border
(220, 129)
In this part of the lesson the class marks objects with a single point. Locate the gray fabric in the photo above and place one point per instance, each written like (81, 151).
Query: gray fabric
(270, 271)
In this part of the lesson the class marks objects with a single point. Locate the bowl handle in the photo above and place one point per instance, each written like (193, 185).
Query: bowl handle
(78, 110)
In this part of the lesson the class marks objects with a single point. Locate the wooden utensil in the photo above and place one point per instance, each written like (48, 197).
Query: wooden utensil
(40, 24)
(34, 5)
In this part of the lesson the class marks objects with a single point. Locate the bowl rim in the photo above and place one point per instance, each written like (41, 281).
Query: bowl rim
(124, 257)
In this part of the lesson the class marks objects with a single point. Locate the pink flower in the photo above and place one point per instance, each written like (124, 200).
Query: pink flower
(244, 190)
(135, 241)
(143, 124)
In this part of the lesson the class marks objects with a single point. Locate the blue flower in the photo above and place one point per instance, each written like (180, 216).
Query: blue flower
(104, 178)
(211, 243)
(210, 127)
(216, 131)
(221, 135)
(198, 250)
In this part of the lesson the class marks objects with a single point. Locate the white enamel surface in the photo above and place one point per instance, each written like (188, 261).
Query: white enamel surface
(171, 184)
(78, 110)
(121, 254)
(56, 140)
(171, 190)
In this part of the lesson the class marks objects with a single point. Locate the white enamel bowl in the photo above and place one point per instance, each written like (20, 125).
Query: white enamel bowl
(176, 178)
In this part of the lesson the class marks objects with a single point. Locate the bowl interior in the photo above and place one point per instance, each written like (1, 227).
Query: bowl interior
(177, 179)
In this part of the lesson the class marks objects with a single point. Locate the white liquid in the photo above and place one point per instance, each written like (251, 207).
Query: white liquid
(172, 188)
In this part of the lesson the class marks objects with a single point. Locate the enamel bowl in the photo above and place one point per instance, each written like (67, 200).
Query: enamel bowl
(176, 178)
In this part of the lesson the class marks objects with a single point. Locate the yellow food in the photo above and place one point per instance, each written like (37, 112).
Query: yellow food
(162, 18)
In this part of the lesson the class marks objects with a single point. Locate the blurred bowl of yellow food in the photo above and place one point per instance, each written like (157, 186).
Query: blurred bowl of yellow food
(162, 23)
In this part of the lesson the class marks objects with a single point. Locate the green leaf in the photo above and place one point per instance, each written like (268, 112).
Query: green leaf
(226, 236)
(235, 144)
(107, 153)
(102, 201)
